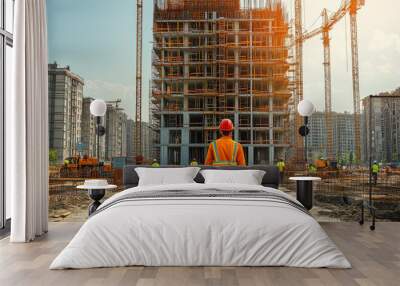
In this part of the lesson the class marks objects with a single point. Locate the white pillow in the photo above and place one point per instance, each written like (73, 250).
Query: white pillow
(247, 177)
(166, 176)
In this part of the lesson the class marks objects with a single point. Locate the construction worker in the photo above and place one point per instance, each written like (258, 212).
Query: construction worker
(312, 169)
(225, 151)
(194, 163)
(281, 167)
(155, 164)
(375, 170)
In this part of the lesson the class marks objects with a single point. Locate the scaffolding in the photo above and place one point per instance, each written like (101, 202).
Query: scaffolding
(221, 59)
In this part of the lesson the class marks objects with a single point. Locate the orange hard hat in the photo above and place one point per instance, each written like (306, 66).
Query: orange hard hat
(226, 125)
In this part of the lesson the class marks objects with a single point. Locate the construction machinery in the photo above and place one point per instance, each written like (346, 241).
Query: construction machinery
(83, 167)
(347, 7)
(321, 163)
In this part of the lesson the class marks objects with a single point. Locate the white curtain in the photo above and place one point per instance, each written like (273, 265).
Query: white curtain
(27, 127)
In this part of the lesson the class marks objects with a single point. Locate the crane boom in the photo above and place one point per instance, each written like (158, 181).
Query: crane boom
(347, 6)
(334, 18)
(138, 116)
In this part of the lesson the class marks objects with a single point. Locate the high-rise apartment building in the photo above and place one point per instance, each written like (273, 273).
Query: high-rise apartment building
(130, 139)
(381, 127)
(116, 129)
(343, 136)
(214, 60)
(65, 110)
(316, 139)
(147, 143)
(88, 128)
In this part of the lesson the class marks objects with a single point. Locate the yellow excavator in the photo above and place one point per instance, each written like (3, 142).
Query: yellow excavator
(321, 163)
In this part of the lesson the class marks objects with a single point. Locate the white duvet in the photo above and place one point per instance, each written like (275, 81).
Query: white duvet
(200, 232)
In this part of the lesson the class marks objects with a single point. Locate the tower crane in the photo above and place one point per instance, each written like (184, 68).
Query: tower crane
(138, 116)
(351, 7)
(298, 32)
(116, 102)
(328, 84)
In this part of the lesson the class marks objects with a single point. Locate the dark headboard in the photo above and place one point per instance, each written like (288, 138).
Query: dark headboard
(271, 177)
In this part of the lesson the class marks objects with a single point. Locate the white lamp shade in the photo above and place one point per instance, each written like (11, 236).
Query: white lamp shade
(306, 108)
(98, 107)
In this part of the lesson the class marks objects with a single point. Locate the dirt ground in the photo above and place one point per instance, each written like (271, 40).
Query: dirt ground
(335, 199)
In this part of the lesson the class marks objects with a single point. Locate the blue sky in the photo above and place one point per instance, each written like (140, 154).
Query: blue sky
(96, 38)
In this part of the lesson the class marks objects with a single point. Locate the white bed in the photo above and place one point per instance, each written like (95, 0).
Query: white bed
(200, 231)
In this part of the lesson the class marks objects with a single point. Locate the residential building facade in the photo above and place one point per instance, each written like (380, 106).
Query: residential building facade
(343, 136)
(88, 128)
(147, 143)
(65, 110)
(381, 127)
(215, 60)
(116, 133)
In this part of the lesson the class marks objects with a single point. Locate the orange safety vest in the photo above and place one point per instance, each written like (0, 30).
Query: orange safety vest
(219, 162)
(225, 152)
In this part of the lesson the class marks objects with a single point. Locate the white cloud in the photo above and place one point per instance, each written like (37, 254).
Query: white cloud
(384, 42)
(383, 52)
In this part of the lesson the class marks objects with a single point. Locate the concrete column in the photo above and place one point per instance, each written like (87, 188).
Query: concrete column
(164, 136)
(250, 158)
(185, 156)
(186, 59)
(271, 128)
(237, 58)
(185, 133)
(236, 123)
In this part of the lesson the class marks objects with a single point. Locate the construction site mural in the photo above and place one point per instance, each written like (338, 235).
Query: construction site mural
(171, 70)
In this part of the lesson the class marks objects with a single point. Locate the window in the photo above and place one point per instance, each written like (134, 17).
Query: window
(6, 42)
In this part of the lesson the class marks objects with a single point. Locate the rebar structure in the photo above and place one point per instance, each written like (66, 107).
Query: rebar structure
(138, 115)
(328, 85)
(220, 59)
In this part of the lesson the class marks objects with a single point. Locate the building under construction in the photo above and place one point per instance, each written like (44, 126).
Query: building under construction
(220, 59)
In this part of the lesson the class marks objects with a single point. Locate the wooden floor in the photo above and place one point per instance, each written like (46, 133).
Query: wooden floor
(375, 257)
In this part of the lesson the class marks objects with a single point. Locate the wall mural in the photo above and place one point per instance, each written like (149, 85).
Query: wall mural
(204, 61)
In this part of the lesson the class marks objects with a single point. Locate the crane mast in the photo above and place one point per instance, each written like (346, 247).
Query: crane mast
(299, 50)
(354, 6)
(328, 84)
(138, 116)
(298, 96)
(351, 7)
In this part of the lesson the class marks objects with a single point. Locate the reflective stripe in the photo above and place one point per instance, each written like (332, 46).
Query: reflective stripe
(234, 154)
(225, 163)
(215, 151)
(218, 162)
